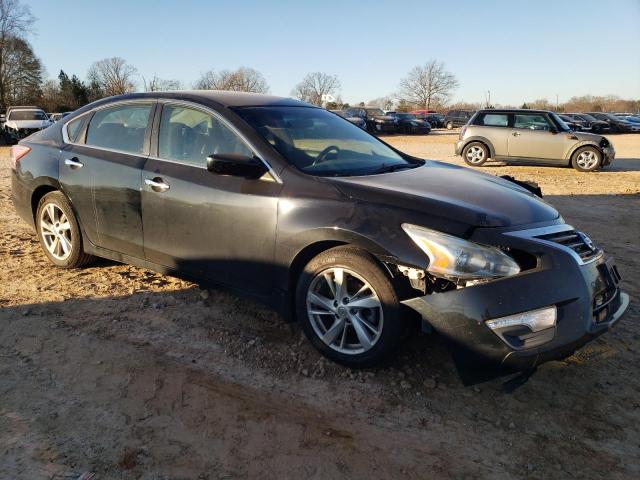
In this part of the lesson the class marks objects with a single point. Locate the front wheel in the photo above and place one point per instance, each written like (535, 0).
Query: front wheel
(586, 159)
(348, 308)
(449, 125)
(59, 233)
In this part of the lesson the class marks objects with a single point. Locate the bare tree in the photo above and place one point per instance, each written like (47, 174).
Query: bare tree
(243, 79)
(315, 86)
(114, 76)
(428, 85)
(23, 72)
(16, 22)
(158, 84)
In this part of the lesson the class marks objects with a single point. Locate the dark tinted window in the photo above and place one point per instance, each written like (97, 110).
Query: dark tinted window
(119, 128)
(189, 136)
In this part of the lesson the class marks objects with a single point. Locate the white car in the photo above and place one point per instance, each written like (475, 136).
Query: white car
(21, 122)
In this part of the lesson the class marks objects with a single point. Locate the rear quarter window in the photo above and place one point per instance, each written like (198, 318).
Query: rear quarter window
(494, 120)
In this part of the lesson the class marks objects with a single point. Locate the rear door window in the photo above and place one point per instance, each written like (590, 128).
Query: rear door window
(189, 136)
(121, 128)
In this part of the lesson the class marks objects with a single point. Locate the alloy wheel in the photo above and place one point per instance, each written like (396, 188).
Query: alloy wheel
(587, 159)
(344, 311)
(55, 229)
(475, 154)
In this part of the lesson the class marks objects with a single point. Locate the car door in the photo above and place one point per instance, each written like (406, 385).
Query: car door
(100, 171)
(205, 224)
(534, 136)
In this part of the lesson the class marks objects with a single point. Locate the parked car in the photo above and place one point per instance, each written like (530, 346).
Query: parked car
(300, 209)
(592, 124)
(531, 135)
(408, 123)
(574, 124)
(457, 118)
(633, 120)
(23, 121)
(617, 125)
(360, 122)
(376, 119)
(55, 117)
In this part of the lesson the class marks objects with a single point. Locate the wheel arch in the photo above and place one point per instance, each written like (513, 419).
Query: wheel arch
(485, 141)
(584, 143)
(45, 186)
(336, 238)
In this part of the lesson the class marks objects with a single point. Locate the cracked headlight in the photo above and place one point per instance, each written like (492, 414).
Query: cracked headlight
(453, 257)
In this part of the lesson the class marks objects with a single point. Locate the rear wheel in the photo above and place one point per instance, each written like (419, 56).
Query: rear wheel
(475, 154)
(59, 233)
(586, 159)
(348, 308)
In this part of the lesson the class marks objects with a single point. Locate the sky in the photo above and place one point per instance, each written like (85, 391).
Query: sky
(518, 50)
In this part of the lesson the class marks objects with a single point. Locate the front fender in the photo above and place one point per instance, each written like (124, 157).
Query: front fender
(580, 144)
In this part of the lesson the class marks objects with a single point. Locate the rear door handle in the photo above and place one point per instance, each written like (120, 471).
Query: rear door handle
(157, 184)
(73, 163)
(516, 134)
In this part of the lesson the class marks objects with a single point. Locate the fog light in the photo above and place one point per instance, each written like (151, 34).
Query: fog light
(536, 320)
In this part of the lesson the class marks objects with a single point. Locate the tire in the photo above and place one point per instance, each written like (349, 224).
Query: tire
(586, 159)
(59, 233)
(449, 125)
(342, 323)
(475, 154)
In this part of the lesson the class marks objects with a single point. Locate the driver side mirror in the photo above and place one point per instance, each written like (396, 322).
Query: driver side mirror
(236, 165)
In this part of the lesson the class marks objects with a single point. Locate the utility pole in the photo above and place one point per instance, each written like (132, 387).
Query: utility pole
(556, 102)
(488, 98)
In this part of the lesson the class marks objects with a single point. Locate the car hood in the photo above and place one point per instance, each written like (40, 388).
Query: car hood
(451, 192)
(28, 123)
(592, 137)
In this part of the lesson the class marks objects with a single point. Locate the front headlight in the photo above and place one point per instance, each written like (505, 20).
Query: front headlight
(453, 257)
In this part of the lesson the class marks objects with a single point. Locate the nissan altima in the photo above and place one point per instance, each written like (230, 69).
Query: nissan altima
(302, 210)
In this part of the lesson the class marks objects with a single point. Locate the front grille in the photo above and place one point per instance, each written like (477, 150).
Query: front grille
(576, 241)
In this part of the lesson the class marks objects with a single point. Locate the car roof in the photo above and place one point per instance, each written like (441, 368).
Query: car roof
(218, 98)
(512, 110)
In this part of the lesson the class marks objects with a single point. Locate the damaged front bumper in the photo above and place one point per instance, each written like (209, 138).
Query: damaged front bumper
(586, 295)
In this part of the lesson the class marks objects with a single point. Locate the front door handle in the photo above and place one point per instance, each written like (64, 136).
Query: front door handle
(73, 163)
(516, 134)
(157, 184)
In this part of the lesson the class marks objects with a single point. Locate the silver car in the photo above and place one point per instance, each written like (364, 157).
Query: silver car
(530, 136)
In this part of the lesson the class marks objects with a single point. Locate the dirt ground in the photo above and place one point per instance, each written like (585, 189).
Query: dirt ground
(129, 374)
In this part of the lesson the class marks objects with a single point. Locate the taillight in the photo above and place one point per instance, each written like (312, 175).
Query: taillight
(17, 152)
(462, 130)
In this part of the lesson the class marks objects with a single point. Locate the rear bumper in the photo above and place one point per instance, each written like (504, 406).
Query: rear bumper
(458, 147)
(587, 298)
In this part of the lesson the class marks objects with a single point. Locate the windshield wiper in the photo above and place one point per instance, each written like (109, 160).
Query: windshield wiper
(393, 167)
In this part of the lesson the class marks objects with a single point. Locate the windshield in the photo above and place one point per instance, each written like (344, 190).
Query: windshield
(27, 115)
(563, 126)
(322, 144)
(406, 116)
(375, 112)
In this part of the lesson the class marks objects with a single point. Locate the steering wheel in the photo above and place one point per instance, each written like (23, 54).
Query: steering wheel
(321, 156)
